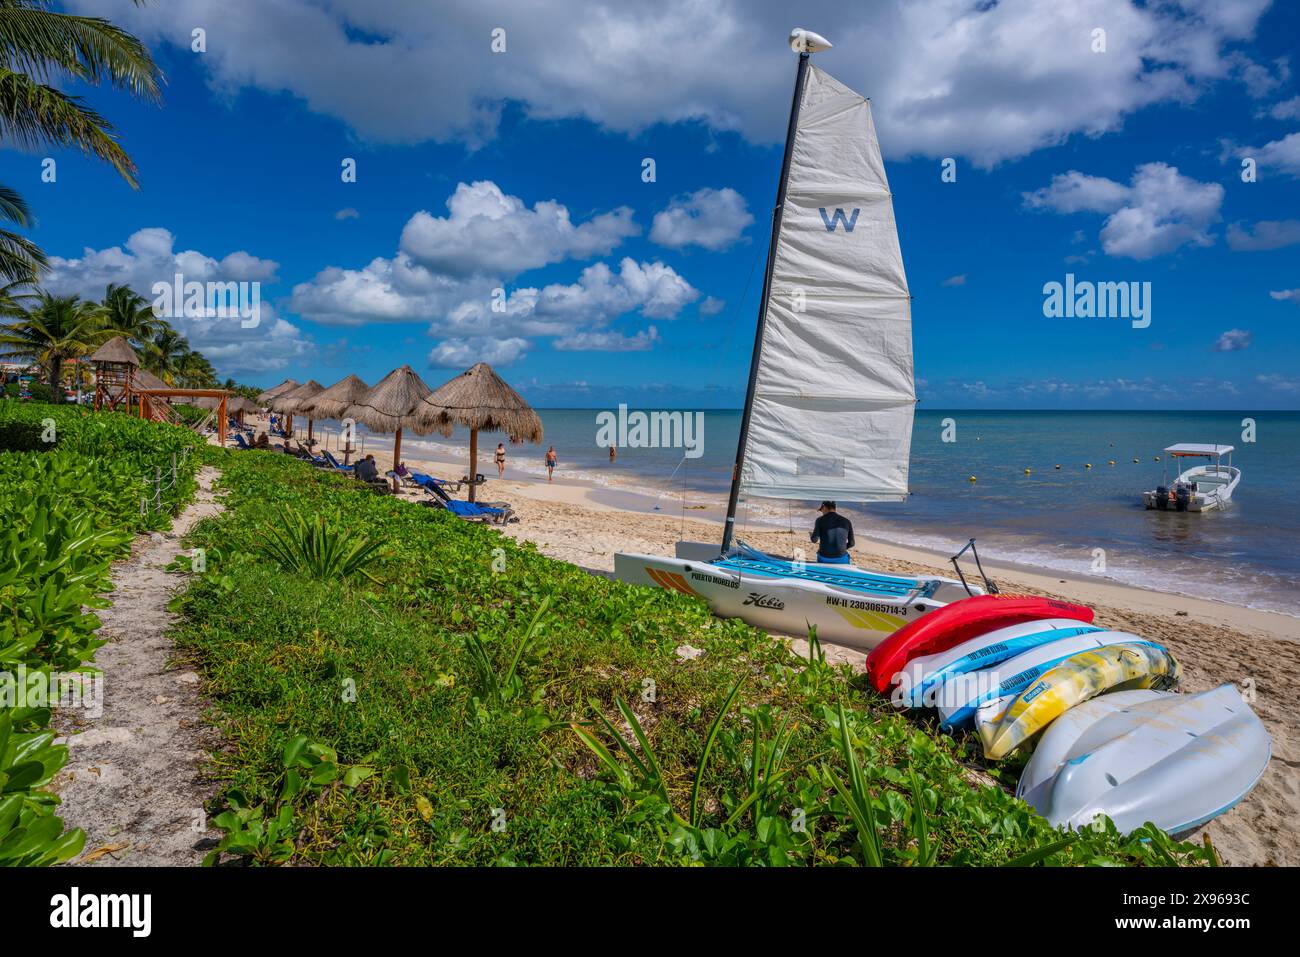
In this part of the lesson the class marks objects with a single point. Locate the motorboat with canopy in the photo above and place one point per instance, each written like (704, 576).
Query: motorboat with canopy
(1200, 488)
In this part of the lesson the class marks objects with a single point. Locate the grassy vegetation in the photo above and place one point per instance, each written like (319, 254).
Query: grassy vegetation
(70, 488)
(457, 698)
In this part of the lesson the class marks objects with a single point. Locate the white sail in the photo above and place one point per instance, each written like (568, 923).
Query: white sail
(834, 394)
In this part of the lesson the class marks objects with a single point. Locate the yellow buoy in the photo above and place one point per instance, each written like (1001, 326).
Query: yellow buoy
(1157, 458)
(1027, 471)
(1112, 462)
(972, 478)
(1058, 467)
(1135, 461)
(1088, 466)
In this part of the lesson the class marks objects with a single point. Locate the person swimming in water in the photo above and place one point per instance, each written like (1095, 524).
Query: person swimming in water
(833, 534)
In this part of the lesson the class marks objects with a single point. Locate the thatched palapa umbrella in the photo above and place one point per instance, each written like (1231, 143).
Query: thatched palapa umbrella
(236, 405)
(480, 400)
(287, 403)
(334, 401)
(283, 387)
(144, 379)
(388, 406)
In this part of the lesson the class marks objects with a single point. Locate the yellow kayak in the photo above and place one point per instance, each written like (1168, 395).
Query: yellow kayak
(1129, 665)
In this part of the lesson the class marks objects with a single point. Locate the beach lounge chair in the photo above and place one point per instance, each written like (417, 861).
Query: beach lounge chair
(337, 465)
(499, 512)
(406, 481)
(241, 442)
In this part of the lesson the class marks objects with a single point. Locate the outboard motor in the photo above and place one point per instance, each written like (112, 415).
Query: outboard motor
(1182, 498)
(1162, 498)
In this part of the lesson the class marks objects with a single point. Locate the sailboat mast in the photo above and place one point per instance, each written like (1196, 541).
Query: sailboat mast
(734, 497)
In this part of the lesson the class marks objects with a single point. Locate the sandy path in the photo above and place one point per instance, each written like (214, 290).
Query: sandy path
(134, 780)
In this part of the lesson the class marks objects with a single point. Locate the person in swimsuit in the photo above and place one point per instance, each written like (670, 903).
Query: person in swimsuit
(501, 460)
(551, 462)
(833, 534)
(613, 454)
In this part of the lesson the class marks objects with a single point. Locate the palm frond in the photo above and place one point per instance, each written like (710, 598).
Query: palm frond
(44, 44)
(34, 115)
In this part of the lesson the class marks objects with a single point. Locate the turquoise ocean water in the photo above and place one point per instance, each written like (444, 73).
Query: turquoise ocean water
(1048, 519)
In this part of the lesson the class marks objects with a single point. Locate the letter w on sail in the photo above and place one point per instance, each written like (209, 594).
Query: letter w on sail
(839, 219)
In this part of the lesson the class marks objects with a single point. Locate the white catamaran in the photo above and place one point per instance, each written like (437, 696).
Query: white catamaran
(828, 411)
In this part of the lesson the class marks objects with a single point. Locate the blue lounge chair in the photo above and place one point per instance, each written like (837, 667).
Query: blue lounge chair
(473, 510)
(499, 512)
(241, 442)
(336, 464)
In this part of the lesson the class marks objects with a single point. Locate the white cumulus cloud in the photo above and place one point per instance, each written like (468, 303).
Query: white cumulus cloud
(149, 257)
(991, 81)
(1158, 211)
(1264, 235)
(463, 353)
(712, 218)
(489, 232)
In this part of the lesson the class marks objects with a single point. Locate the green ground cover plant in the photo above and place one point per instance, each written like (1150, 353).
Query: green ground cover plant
(71, 505)
(471, 701)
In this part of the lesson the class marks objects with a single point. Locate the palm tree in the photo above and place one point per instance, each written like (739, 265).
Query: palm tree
(196, 372)
(55, 329)
(164, 354)
(37, 46)
(20, 258)
(129, 314)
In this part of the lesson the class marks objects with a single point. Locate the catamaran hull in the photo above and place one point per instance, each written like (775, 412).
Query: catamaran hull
(777, 603)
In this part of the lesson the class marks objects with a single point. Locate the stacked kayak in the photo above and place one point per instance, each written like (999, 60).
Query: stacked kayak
(1110, 738)
(1136, 756)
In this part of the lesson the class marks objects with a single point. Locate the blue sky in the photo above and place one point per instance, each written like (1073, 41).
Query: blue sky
(1122, 165)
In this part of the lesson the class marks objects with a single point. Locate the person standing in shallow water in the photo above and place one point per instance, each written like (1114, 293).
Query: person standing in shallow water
(551, 461)
(501, 460)
(613, 454)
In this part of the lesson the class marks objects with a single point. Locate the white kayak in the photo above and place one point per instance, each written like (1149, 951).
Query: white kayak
(925, 674)
(960, 698)
(1175, 760)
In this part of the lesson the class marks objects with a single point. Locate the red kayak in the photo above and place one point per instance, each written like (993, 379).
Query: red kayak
(960, 621)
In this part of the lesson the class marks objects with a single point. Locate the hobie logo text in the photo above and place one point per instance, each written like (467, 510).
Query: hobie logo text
(651, 430)
(839, 219)
(74, 910)
(1101, 300)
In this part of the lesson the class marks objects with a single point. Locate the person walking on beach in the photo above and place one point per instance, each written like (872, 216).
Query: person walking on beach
(501, 460)
(833, 534)
(551, 462)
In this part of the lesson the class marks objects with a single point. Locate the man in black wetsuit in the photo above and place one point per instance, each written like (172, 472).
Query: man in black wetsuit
(834, 535)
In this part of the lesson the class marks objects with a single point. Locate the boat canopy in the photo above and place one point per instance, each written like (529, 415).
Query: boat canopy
(1193, 448)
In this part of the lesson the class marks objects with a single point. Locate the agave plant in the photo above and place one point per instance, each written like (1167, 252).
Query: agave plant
(318, 548)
